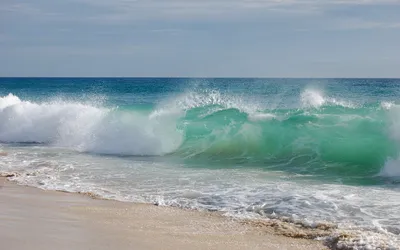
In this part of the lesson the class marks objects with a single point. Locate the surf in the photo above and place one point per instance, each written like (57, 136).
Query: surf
(258, 148)
(86, 128)
(323, 137)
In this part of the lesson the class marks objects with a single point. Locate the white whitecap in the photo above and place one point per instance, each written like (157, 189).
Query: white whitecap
(85, 127)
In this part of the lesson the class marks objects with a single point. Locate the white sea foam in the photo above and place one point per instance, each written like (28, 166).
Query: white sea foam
(392, 165)
(85, 127)
(391, 168)
(314, 98)
(387, 105)
(366, 216)
(8, 100)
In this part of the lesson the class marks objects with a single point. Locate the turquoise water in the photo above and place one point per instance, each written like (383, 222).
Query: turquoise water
(292, 147)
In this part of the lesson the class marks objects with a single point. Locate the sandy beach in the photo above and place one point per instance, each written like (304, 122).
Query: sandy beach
(37, 219)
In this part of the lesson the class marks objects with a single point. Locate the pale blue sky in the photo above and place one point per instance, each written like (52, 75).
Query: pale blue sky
(250, 38)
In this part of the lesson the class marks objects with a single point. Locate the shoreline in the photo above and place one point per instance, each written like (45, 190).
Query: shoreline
(45, 219)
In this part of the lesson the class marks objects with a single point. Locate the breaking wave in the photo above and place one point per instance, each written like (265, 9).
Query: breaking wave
(324, 136)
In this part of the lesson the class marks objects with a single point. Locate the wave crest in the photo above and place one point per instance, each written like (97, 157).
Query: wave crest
(86, 128)
(314, 98)
(213, 127)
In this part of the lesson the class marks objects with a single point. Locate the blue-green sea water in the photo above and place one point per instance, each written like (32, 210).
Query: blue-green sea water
(310, 149)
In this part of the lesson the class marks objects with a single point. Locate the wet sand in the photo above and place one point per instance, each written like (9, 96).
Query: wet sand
(37, 219)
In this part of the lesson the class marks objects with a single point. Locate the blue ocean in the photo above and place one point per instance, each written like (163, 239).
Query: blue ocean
(310, 150)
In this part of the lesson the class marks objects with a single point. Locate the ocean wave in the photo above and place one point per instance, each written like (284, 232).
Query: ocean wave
(86, 128)
(334, 139)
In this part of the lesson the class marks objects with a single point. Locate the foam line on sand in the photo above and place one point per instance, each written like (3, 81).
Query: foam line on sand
(37, 219)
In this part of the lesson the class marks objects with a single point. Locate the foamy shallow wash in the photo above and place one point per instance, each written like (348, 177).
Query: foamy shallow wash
(309, 150)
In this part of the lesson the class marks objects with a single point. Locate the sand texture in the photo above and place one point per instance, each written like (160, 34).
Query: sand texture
(36, 219)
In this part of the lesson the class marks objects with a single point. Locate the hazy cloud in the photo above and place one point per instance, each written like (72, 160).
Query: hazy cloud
(199, 37)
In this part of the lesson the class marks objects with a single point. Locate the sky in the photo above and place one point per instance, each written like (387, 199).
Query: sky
(200, 38)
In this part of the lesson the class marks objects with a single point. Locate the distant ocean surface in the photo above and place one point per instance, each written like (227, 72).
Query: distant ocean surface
(308, 149)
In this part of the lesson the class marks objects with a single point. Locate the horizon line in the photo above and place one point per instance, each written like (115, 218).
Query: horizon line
(199, 77)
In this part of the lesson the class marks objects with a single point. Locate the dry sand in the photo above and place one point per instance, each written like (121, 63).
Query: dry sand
(31, 218)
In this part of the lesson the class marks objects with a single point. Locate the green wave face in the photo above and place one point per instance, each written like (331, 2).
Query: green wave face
(339, 129)
(330, 141)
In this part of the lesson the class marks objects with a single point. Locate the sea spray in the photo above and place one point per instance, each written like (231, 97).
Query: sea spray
(86, 128)
(331, 140)
(392, 164)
